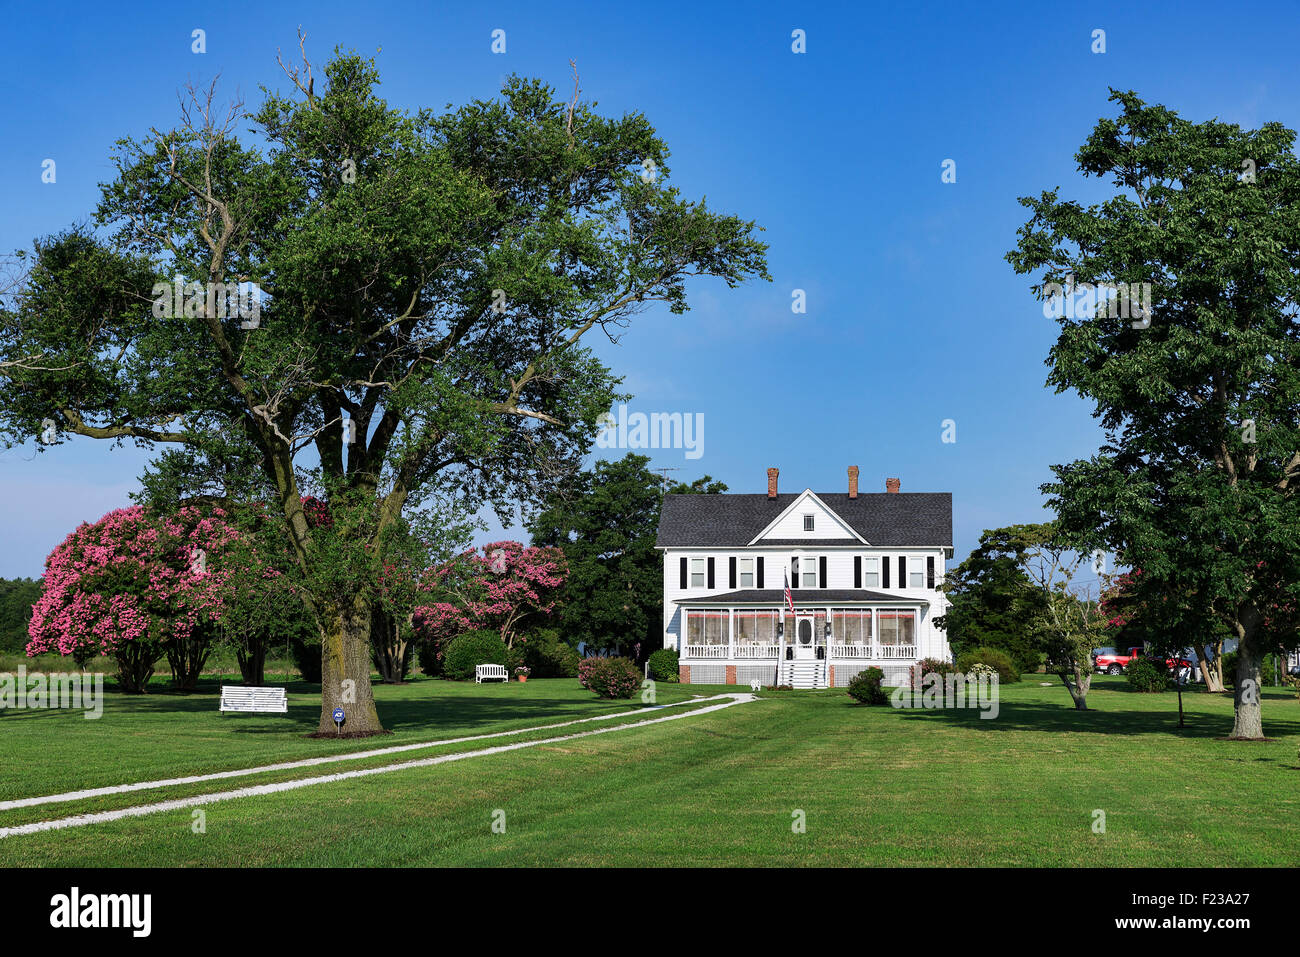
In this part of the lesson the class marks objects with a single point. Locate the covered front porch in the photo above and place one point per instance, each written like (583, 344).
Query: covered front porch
(725, 638)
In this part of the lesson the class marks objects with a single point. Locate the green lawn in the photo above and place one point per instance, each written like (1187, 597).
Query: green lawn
(877, 786)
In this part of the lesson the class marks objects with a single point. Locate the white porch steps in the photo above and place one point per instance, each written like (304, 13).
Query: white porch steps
(807, 673)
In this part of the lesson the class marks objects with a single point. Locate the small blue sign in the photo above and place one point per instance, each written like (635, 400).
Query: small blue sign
(338, 715)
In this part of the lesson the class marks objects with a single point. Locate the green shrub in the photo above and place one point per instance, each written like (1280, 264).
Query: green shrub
(1146, 675)
(866, 686)
(471, 649)
(664, 665)
(995, 658)
(613, 677)
(547, 655)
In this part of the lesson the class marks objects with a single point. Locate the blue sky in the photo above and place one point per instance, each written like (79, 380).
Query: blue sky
(913, 316)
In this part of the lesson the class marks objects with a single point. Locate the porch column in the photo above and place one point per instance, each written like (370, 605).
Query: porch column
(875, 633)
(731, 633)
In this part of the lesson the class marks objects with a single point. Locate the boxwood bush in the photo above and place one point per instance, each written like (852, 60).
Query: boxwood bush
(664, 665)
(866, 687)
(471, 649)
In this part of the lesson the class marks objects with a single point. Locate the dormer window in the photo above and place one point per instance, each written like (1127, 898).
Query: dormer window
(807, 523)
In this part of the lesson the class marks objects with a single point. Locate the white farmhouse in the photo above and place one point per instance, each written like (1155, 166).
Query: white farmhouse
(862, 571)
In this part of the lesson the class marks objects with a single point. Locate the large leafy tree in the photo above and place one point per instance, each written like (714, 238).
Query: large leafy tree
(1200, 399)
(607, 520)
(994, 603)
(428, 281)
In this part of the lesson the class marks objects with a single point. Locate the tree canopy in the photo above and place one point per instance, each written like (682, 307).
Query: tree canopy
(415, 289)
(1199, 394)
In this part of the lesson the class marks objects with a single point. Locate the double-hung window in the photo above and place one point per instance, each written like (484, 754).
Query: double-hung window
(915, 573)
(808, 571)
(747, 573)
(870, 572)
(697, 572)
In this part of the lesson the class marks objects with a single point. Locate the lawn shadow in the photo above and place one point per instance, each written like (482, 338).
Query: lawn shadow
(1039, 716)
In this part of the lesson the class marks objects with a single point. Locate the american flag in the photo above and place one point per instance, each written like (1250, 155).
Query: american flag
(789, 597)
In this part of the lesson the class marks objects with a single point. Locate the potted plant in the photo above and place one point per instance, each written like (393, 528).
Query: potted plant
(522, 672)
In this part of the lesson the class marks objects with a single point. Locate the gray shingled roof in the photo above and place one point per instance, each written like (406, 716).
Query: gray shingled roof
(801, 596)
(882, 518)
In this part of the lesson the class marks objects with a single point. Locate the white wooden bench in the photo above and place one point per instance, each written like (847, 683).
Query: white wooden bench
(490, 673)
(254, 700)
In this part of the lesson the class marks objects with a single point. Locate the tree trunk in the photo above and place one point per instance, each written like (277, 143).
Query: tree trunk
(1079, 689)
(187, 656)
(135, 664)
(1248, 722)
(1212, 671)
(391, 655)
(345, 669)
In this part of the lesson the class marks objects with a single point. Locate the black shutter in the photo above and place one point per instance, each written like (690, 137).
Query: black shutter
(759, 580)
(731, 571)
(685, 579)
(711, 585)
(884, 577)
(857, 571)
(929, 572)
(794, 573)
(902, 572)
(821, 570)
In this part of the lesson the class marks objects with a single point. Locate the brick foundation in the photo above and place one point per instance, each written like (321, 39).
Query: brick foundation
(684, 674)
(830, 677)
(731, 674)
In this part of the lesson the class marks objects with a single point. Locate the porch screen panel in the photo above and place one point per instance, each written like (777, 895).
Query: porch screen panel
(851, 626)
(897, 628)
(706, 628)
(694, 628)
(756, 627)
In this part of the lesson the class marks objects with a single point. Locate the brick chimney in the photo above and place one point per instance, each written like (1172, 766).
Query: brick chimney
(892, 485)
(853, 481)
(771, 482)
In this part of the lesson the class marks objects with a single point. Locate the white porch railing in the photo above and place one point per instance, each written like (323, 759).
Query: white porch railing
(850, 651)
(706, 651)
(895, 651)
(773, 652)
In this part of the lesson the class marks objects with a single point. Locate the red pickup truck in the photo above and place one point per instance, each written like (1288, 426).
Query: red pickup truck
(1114, 662)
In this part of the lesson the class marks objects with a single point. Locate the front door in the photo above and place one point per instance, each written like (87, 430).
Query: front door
(803, 637)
